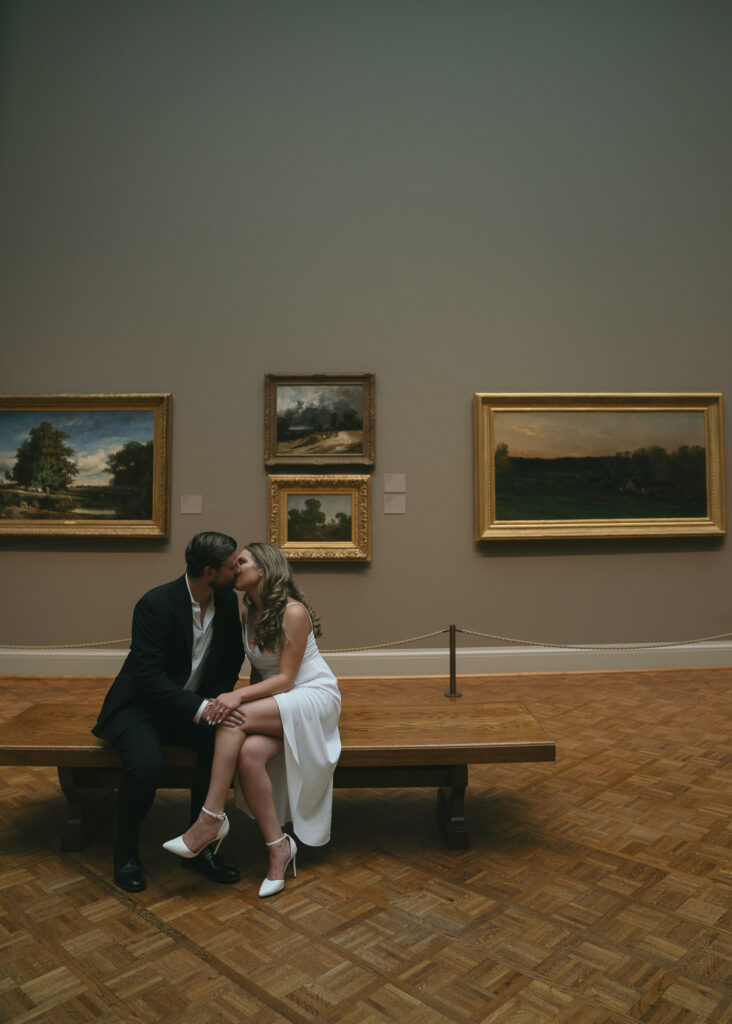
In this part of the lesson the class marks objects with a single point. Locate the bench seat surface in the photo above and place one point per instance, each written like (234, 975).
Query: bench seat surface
(385, 721)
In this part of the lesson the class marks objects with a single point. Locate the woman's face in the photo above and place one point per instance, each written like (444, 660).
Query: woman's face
(249, 572)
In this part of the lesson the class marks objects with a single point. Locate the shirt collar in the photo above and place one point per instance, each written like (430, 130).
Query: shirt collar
(194, 602)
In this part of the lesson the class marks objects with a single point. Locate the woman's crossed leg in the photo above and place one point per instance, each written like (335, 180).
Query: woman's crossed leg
(262, 721)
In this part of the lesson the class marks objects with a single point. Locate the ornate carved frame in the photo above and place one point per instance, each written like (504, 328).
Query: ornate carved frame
(357, 549)
(158, 525)
(488, 409)
(273, 381)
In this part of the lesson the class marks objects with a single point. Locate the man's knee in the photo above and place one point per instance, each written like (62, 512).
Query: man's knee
(142, 757)
(146, 769)
(205, 742)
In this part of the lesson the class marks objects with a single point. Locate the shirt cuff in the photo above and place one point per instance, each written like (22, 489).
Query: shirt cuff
(197, 716)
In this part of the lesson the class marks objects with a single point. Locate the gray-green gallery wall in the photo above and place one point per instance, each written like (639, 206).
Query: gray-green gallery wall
(456, 196)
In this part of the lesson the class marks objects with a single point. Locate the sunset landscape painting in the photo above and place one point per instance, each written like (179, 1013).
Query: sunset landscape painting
(598, 465)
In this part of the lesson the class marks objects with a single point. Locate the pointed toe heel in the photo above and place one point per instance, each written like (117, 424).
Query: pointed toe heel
(178, 846)
(271, 886)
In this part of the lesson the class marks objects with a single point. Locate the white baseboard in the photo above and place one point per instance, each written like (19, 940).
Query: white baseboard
(414, 662)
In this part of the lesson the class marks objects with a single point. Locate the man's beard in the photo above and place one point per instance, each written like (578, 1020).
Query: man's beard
(222, 587)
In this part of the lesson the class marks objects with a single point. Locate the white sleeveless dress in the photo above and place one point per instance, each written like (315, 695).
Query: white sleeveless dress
(302, 775)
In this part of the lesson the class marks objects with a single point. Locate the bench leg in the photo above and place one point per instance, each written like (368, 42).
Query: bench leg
(73, 836)
(451, 810)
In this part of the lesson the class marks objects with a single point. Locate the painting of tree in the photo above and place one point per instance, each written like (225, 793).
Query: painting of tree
(84, 464)
(43, 461)
(132, 467)
(319, 518)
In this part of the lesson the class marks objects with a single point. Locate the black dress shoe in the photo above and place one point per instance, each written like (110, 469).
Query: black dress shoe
(207, 863)
(130, 876)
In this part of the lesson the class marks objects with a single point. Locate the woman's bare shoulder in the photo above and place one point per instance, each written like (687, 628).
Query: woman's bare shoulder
(297, 616)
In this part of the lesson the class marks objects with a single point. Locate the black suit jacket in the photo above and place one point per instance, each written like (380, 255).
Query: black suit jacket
(157, 668)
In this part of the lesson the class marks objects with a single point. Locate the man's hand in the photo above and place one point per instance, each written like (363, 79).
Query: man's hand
(234, 718)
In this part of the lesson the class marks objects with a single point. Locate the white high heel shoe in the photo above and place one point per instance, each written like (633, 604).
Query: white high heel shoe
(270, 886)
(179, 847)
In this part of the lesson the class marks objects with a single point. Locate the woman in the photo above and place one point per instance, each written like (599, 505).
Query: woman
(286, 750)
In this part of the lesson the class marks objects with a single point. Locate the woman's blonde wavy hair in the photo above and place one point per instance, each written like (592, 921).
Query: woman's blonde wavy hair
(276, 588)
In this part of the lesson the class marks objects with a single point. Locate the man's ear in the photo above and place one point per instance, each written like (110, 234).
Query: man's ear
(208, 574)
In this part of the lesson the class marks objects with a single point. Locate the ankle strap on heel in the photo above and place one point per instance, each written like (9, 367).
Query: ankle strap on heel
(211, 814)
(280, 840)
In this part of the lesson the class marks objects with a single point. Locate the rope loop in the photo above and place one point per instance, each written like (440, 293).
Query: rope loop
(593, 647)
(413, 639)
(63, 647)
(392, 643)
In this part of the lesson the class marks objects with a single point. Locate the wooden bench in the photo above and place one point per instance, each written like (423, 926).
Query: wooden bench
(395, 731)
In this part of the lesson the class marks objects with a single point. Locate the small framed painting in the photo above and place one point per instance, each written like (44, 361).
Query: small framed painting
(598, 465)
(321, 518)
(85, 465)
(319, 419)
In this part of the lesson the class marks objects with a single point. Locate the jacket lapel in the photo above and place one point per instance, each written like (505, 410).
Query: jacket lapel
(183, 611)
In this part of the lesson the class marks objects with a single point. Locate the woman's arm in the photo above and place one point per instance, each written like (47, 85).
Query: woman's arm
(296, 624)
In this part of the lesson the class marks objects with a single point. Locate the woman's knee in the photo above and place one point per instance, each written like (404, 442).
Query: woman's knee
(252, 754)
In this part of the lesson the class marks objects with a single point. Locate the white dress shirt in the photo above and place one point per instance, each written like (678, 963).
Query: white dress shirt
(202, 633)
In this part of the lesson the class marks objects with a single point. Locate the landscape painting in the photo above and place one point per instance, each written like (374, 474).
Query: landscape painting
(316, 517)
(600, 465)
(84, 464)
(321, 517)
(319, 419)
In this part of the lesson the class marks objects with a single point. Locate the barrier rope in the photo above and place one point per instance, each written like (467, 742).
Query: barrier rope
(392, 643)
(63, 647)
(414, 639)
(595, 647)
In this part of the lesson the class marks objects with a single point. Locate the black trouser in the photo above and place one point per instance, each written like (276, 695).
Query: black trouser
(140, 747)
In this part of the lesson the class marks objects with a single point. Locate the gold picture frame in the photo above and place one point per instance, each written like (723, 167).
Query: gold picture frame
(321, 518)
(598, 465)
(319, 419)
(85, 465)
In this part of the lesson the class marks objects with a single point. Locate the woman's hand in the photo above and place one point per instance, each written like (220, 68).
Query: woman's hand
(224, 708)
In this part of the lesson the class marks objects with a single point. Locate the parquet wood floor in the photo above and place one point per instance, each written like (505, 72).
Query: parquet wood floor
(597, 890)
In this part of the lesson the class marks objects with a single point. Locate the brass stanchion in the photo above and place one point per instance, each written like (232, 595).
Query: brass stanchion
(452, 692)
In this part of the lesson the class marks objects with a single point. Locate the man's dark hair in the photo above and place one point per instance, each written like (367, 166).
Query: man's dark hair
(208, 549)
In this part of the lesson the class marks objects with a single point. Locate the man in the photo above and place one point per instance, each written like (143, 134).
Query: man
(186, 647)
